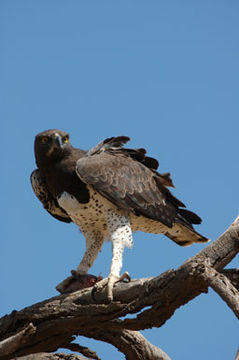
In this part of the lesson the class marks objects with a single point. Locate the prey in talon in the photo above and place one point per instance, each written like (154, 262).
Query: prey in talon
(109, 192)
(77, 282)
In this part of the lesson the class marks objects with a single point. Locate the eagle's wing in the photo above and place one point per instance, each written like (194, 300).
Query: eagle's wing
(129, 183)
(112, 142)
(115, 143)
(49, 203)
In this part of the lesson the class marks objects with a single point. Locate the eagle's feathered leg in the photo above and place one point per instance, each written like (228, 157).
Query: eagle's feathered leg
(94, 242)
(120, 235)
(80, 278)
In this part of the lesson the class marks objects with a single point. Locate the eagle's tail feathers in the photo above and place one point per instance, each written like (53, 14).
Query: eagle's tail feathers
(185, 235)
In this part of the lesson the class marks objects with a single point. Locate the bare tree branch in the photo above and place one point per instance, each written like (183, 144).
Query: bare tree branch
(12, 343)
(222, 285)
(131, 343)
(82, 350)
(56, 320)
(47, 356)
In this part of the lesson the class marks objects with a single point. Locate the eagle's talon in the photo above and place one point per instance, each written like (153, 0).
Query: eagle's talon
(101, 284)
(125, 276)
(109, 282)
(98, 287)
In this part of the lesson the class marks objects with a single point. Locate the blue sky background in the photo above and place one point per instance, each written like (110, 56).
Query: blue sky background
(165, 73)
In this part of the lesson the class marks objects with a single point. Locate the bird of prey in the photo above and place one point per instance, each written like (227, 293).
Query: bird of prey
(109, 191)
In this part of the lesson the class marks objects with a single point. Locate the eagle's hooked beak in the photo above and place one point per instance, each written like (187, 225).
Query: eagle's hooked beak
(58, 140)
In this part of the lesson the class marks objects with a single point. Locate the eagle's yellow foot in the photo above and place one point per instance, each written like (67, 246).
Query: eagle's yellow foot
(109, 284)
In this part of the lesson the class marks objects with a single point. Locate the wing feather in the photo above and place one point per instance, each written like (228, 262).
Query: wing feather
(49, 203)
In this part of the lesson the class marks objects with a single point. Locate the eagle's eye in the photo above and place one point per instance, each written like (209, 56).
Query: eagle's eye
(65, 139)
(44, 139)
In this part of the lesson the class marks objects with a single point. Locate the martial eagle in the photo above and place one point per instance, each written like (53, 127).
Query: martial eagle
(109, 192)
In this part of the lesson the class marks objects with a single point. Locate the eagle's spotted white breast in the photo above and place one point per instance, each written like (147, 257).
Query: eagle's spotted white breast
(109, 192)
(100, 214)
(97, 215)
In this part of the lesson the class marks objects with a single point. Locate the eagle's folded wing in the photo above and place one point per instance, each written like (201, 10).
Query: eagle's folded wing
(129, 184)
(49, 203)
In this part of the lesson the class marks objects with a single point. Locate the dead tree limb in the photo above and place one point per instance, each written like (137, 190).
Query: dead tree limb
(222, 285)
(55, 321)
(48, 356)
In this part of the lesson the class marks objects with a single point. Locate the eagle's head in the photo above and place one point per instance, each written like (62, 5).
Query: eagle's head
(51, 145)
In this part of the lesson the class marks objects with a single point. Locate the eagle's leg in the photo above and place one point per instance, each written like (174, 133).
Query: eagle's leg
(80, 279)
(121, 235)
(94, 241)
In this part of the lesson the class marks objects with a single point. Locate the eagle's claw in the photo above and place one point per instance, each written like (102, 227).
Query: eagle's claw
(109, 284)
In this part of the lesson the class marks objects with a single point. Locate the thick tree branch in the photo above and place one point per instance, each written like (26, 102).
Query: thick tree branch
(57, 319)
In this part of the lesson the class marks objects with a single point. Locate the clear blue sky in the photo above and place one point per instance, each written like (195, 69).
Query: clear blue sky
(165, 73)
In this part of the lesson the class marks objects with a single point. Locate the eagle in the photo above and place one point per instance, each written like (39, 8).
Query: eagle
(109, 192)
